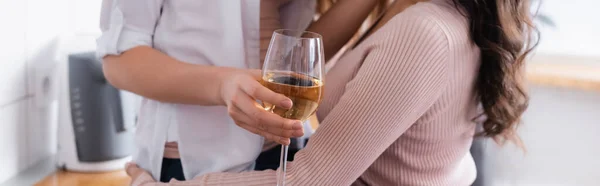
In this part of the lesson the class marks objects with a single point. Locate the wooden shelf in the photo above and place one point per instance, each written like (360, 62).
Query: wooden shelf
(565, 72)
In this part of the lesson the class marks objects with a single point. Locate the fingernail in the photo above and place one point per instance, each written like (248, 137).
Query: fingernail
(296, 125)
(287, 103)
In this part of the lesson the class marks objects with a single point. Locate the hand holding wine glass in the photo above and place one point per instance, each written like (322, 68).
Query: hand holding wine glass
(240, 89)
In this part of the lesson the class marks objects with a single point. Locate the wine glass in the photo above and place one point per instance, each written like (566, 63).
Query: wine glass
(294, 67)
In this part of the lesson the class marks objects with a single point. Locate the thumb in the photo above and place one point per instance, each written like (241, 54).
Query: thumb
(139, 176)
(257, 74)
(132, 169)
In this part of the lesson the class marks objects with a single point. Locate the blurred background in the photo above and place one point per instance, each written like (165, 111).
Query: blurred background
(561, 129)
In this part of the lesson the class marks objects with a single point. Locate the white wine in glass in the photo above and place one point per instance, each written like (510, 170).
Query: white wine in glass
(294, 67)
(304, 91)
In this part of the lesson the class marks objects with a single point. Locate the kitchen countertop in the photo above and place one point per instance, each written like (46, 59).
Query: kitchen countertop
(62, 178)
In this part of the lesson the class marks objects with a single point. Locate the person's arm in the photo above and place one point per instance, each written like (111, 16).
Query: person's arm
(397, 83)
(152, 74)
(130, 63)
(341, 22)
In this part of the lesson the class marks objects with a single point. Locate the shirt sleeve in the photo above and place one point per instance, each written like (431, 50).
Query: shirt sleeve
(399, 80)
(126, 24)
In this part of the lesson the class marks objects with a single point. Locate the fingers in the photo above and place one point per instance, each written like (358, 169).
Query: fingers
(271, 132)
(286, 128)
(257, 91)
(139, 176)
(133, 170)
(257, 74)
(263, 119)
(268, 136)
(245, 122)
(248, 114)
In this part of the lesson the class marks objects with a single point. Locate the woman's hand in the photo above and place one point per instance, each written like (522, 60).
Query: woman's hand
(139, 176)
(240, 90)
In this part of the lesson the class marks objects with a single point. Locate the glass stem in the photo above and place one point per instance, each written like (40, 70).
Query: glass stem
(282, 165)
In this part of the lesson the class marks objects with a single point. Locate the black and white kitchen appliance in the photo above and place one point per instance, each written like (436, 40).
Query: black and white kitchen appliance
(96, 121)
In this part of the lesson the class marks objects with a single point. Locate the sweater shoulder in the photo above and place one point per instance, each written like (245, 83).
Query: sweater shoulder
(443, 23)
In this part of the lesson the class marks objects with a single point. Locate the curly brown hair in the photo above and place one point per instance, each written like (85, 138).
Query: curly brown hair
(506, 35)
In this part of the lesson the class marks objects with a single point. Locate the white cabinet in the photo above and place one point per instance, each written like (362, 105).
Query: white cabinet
(14, 156)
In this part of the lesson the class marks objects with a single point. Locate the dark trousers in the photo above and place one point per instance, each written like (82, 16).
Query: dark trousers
(270, 159)
(171, 168)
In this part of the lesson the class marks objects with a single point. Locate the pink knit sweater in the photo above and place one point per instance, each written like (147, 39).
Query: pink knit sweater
(398, 110)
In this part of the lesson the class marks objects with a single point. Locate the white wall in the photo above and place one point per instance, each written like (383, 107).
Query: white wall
(577, 28)
(29, 28)
(561, 131)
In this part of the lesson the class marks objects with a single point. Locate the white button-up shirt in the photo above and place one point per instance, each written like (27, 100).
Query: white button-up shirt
(208, 32)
